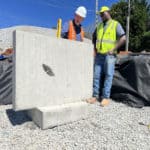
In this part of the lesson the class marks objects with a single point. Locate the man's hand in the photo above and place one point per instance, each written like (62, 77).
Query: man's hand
(8, 51)
(111, 52)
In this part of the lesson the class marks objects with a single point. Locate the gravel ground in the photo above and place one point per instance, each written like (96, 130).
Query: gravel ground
(115, 127)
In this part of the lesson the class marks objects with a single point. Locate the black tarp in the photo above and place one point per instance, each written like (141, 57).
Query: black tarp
(131, 84)
(6, 81)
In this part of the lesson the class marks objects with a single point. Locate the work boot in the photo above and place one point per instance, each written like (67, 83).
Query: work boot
(105, 102)
(91, 100)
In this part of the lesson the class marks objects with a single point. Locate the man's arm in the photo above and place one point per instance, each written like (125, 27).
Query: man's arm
(121, 38)
(94, 38)
(64, 32)
(120, 42)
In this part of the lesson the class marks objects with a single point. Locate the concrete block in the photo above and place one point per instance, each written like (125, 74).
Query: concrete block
(49, 117)
(50, 71)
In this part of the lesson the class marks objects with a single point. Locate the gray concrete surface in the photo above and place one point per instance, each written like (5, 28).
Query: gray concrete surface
(71, 64)
(6, 34)
(49, 117)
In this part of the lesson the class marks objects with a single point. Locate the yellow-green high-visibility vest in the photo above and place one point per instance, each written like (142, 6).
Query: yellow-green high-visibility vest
(106, 38)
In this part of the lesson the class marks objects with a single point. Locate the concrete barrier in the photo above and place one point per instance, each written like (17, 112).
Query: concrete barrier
(49, 117)
(50, 71)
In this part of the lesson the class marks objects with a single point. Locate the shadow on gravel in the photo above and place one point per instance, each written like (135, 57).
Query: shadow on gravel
(17, 118)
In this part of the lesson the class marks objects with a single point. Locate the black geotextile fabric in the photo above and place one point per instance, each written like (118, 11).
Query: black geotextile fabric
(131, 84)
(6, 81)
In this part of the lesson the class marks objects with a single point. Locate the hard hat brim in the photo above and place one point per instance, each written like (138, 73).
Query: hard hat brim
(81, 15)
(103, 10)
(98, 12)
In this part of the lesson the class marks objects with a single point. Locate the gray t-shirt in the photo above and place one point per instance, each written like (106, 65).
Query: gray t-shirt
(120, 31)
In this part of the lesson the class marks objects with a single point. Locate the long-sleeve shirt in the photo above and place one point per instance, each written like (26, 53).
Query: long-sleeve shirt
(64, 33)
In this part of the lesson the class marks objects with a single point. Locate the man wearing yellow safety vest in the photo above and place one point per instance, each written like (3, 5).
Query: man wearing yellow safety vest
(73, 30)
(107, 38)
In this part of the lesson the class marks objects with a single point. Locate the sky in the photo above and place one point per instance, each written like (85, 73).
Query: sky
(45, 13)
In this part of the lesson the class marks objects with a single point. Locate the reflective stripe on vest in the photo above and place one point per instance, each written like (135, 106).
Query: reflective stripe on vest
(106, 39)
(72, 32)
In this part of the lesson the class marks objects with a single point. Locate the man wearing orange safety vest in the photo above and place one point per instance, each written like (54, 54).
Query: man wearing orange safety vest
(73, 30)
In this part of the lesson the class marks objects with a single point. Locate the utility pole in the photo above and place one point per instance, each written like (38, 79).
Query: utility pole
(96, 10)
(128, 26)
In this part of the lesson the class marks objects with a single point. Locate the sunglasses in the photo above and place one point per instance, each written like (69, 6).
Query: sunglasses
(101, 14)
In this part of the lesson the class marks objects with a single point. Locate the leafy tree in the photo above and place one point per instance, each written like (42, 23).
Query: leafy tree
(146, 41)
(139, 20)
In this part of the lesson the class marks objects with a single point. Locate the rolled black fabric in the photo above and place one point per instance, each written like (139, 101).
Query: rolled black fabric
(131, 84)
(6, 81)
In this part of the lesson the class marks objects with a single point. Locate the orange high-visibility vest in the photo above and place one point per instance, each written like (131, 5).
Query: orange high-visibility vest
(72, 32)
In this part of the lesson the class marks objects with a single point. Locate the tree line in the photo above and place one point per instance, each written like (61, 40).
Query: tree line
(139, 36)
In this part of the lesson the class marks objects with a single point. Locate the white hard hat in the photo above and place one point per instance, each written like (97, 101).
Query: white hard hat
(81, 11)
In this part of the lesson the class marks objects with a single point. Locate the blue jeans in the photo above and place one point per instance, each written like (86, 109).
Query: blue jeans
(104, 65)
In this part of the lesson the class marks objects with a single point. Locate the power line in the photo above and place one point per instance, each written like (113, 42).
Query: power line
(55, 4)
(58, 4)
